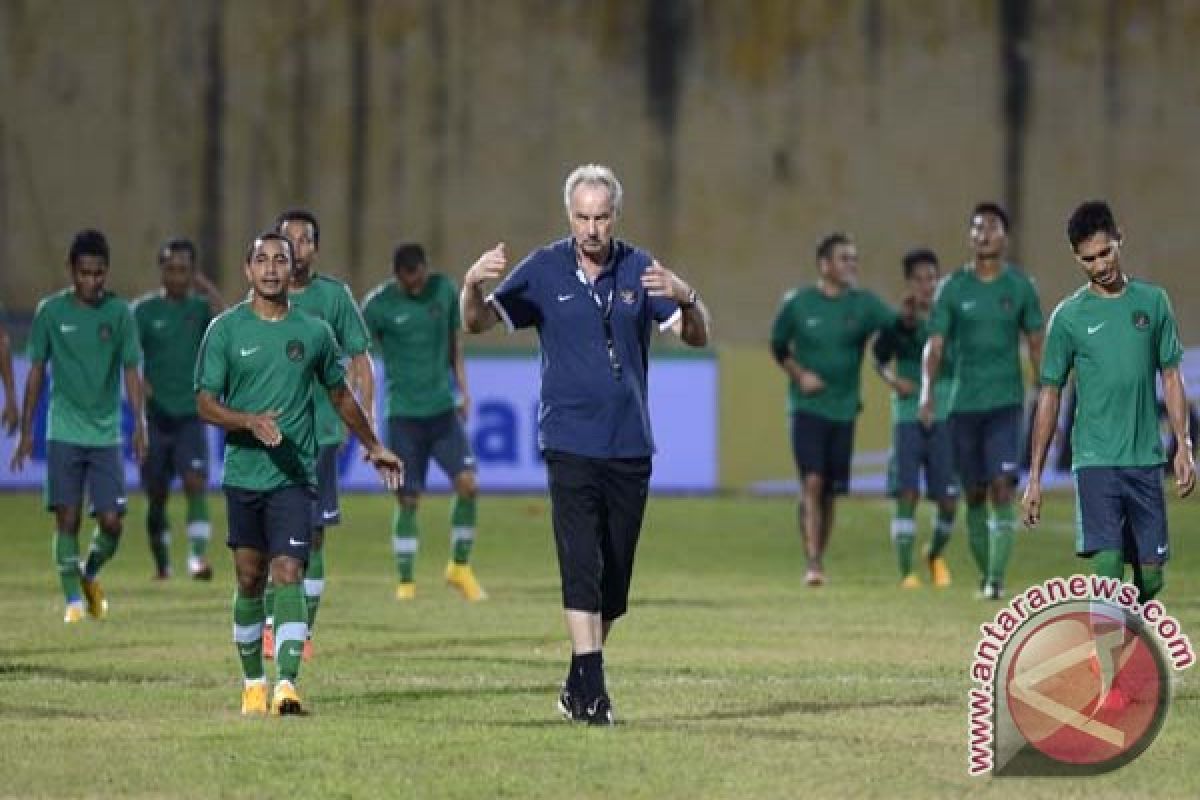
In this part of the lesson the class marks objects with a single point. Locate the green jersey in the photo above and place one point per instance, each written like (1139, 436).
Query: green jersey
(170, 332)
(906, 348)
(827, 335)
(330, 299)
(1115, 345)
(258, 365)
(414, 334)
(983, 320)
(86, 348)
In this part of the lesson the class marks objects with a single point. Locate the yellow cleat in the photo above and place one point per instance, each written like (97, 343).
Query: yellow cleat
(406, 591)
(939, 573)
(462, 577)
(911, 581)
(74, 613)
(286, 702)
(97, 603)
(254, 698)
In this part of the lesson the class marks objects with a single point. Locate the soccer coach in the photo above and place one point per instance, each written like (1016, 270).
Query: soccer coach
(594, 300)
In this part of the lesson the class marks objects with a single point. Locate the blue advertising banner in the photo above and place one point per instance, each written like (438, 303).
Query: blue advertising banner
(502, 427)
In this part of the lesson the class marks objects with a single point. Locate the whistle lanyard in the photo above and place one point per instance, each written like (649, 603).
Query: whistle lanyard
(605, 306)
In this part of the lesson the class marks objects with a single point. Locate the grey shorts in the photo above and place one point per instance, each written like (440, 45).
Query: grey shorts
(70, 468)
(1121, 508)
(176, 445)
(277, 522)
(326, 510)
(916, 450)
(415, 440)
(986, 444)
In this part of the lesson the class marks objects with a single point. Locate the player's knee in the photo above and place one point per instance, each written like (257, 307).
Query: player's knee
(466, 485)
(977, 495)
(109, 522)
(318, 538)
(193, 484)
(156, 495)
(251, 580)
(286, 570)
(408, 502)
(67, 520)
(814, 486)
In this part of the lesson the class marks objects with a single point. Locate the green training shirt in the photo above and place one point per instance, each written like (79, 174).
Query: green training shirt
(826, 335)
(983, 320)
(413, 334)
(170, 332)
(330, 299)
(86, 348)
(1115, 345)
(905, 348)
(256, 365)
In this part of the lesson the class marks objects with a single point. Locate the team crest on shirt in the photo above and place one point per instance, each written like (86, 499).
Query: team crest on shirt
(105, 331)
(628, 297)
(1006, 303)
(294, 350)
(1141, 320)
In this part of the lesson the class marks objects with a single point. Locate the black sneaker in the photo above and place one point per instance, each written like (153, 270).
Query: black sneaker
(598, 712)
(570, 706)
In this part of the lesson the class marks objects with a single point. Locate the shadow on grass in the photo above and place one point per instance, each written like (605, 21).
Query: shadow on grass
(19, 672)
(18, 712)
(410, 644)
(384, 697)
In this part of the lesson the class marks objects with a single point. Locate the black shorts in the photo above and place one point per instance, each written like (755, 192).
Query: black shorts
(416, 439)
(277, 522)
(1121, 508)
(326, 511)
(986, 444)
(824, 447)
(917, 449)
(70, 468)
(597, 507)
(175, 445)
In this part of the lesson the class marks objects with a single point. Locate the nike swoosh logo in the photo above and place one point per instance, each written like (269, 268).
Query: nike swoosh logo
(968, 305)
(1162, 549)
(1093, 328)
(812, 322)
(296, 542)
(249, 351)
(65, 328)
(247, 651)
(562, 298)
(400, 319)
(1007, 465)
(328, 514)
(159, 323)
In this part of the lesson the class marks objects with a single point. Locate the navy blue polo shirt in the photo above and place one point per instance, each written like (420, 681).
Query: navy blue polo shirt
(593, 403)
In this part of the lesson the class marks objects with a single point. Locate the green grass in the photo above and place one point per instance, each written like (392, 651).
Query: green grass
(729, 678)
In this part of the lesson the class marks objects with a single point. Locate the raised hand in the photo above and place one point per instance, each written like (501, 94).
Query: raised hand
(490, 266)
(659, 281)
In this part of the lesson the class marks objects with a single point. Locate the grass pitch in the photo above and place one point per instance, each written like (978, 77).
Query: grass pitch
(729, 678)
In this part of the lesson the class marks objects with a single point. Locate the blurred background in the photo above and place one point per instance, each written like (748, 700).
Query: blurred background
(742, 132)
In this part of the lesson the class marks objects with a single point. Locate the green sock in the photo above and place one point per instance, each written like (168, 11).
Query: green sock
(248, 616)
(462, 528)
(157, 530)
(1149, 580)
(1108, 564)
(66, 561)
(199, 529)
(104, 544)
(943, 526)
(269, 601)
(290, 629)
(314, 583)
(977, 535)
(1001, 543)
(404, 541)
(904, 535)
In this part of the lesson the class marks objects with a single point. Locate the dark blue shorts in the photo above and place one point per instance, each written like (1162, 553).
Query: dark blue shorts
(825, 447)
(917, 449)
(416, 439)
(986, 444)
(326, 510)
(1121, 508)
(176, 445)
(277, 522)
(70, 468)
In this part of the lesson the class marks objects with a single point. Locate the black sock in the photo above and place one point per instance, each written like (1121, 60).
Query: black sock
(591, 673)
(574, 684)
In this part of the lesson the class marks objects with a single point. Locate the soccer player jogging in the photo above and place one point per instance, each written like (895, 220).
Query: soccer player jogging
(330, 300)
(1116, 334)
(415, 321)
(87, 337)
(171, 322)
(594, 300)
(818, 338)
(979, 315)
(915, 448)
(261, 363)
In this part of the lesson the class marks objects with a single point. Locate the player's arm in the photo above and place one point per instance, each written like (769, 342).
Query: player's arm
(478, 315)
(458, 363)
(9, 417)
(362, 375)
(384, 460)
(1036, 339)
(1045, 420)
(262, 426)
(205, 286)
(883, 350)
(805, 379)
(133, 396)
(33, 393)
(1175, 397)
(931, 365)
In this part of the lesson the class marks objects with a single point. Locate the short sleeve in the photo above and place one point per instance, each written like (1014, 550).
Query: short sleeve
(1170, 351)
(39, 335)
(941, 319)
(783, 327)
(1032, 318)
(330, 369)
(212, 366)
(516, 298)
(348, 323)
(131, 348)
(1058, 353)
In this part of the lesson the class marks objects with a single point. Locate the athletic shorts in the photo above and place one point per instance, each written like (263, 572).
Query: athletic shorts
(176, 445)
(597, 507)
(70, 468)
(416, 439)
(1121, 508)
(277, 522)
(986, 444)
(326, 511)
(916, 450)
(824, 447)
